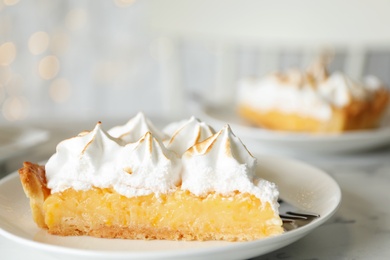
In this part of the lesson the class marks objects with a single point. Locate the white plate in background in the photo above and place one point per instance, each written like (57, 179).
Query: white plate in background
(302, 186)
(17, 140)
(299, 142)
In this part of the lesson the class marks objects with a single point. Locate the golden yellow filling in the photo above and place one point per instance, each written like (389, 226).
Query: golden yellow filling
(177, 215)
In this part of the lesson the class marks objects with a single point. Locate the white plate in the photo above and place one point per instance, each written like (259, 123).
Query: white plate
(17, 140)
(302, 186)
(303, 142)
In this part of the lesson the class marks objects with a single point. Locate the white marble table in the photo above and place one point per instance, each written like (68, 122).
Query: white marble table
(360, 229)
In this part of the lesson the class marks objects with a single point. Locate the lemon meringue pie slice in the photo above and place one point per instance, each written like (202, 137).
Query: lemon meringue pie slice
(97, 185)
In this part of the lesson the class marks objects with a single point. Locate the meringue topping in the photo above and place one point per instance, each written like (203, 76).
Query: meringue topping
(135, 128)
(83, 161)
(98, 160)
(171, 128)
(191, 132)
(222, 164)
(147, 167)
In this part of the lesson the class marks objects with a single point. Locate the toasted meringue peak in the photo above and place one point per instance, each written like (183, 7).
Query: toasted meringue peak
(188, 134)
(171, 128)
(81, 162)
(147, 167)
(222, 164)
(223, 144)
(135, 128)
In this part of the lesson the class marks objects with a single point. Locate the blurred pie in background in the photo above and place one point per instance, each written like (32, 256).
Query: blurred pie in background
(313, 101)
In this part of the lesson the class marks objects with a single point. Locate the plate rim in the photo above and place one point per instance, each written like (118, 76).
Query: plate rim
(32, 136)
(285, 143)
(291, 136)
(287, 237)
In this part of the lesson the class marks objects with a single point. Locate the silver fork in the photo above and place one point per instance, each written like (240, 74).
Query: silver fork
(293, 220)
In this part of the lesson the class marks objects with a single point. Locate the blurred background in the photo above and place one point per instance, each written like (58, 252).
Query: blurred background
(74, 59)
(110, 59)
(65, 64)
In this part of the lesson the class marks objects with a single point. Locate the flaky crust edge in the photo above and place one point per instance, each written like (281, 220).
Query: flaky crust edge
(33, 179)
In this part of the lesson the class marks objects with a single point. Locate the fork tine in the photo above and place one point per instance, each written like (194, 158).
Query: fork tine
(303, 215)
(292, 217)
(292, 220)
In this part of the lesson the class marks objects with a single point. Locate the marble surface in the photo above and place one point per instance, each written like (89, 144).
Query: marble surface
(360, 229)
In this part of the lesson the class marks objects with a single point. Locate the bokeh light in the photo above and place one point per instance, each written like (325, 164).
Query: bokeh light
(38, 42)
(60, 90)
(7, 53)
(49, 67)
(15, 108)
